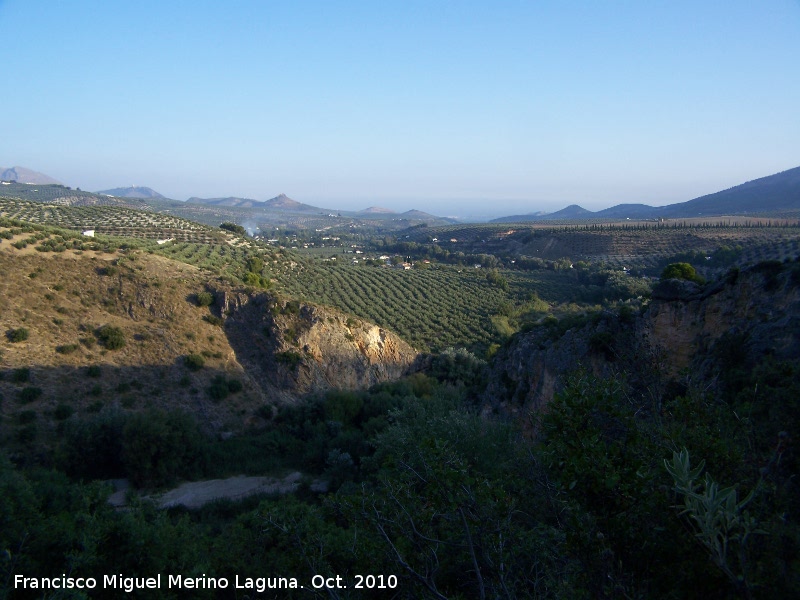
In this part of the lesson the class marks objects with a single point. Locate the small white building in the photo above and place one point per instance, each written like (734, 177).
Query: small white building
(88, 232)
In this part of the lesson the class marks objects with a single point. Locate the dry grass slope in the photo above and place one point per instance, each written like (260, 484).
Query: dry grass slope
(64, 299)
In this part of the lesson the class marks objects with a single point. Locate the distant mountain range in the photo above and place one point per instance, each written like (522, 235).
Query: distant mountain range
(771, 194)
(282, 203)
(134, 191)
(376, 210)
(23, 175)
(279, 202)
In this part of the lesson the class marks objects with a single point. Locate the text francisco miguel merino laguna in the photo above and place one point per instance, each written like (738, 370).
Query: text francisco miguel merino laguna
(129, 584)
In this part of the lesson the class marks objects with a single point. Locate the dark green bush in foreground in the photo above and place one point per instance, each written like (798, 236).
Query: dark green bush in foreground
(205, 299)
(194, 362)
(111, 337)
(425, 488)
(18, 335)
(681, 270)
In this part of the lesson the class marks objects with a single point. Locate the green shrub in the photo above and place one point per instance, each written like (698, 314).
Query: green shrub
(289, 358)
(626, 314)
(29, 394)
(291, 308)
(256, 280)
(233, 228)
(255, 264)
(219, 389)
(204, 299)
(681, 270)
(63, 412)
(342, 406)
(67, 348)
(26, 416)
(93, 371)
(111, 337)
(213, 320)
(21, 375)
(496, 279)
(770, 269)
(234, 386)
(27, 434)
(92, 446)
(602, 343)
(194, 362)
(459, 367)
(158, 447)
(17, 335)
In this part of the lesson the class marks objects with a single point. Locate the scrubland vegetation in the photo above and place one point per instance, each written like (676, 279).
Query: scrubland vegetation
(452, 503)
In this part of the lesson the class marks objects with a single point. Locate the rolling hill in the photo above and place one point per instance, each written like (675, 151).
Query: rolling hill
(280, 202)
(134, 191)
(23, 175)
(779, 192)
(376, 210)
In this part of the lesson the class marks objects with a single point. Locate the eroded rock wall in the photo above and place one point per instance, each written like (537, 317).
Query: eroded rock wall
(680, 335)
(295, 348)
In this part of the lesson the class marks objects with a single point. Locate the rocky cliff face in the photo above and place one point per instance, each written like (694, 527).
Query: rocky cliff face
(681, 334)
(294, 348)
(758, 309)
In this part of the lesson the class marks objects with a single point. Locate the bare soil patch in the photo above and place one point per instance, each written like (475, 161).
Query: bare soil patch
(195, 494)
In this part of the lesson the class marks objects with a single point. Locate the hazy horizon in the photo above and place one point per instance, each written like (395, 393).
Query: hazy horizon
(455, 109)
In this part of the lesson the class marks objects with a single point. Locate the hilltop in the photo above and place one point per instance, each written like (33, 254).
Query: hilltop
(280, 211)
(57, 194)
(376, 210)
(134, 191)
(23, 175)
(280, 202)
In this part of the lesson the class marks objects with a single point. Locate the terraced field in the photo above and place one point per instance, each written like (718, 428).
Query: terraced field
(648, 247)
(431, 308)
(108, 220)
(64, 196)
(641, 245)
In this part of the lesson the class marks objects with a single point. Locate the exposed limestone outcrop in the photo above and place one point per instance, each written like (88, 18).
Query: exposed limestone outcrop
(760, 307)
(293, 348)
(679, 335)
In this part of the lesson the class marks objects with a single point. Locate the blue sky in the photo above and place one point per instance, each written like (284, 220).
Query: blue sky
(456, 107)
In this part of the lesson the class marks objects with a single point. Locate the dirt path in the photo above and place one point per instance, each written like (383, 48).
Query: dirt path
(195, 494)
